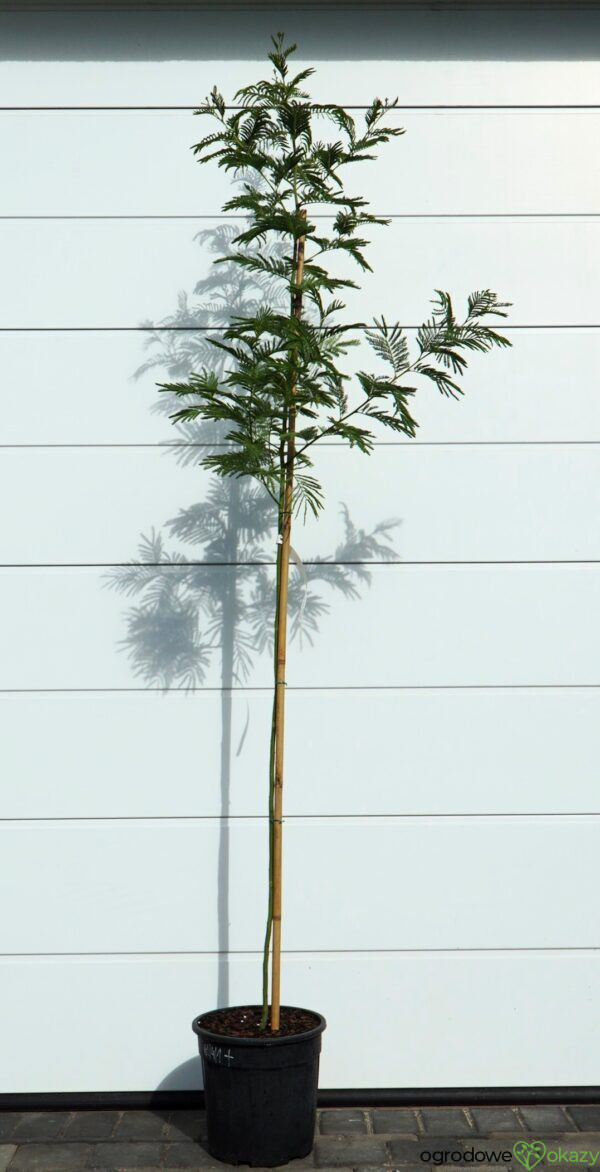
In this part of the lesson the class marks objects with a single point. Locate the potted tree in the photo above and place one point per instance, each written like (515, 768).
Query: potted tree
(282, 391)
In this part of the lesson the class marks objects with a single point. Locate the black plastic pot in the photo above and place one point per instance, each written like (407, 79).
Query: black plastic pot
(260, 1094)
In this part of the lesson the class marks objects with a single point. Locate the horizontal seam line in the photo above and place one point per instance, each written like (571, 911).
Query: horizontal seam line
(226, 818)
(167, 446)
(219, 329)
(324, 951)
(322, 216)
(388, 564)
(412, 106)
(268, 688)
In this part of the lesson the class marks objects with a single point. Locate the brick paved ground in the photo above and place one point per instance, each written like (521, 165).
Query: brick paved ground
(366, 1140)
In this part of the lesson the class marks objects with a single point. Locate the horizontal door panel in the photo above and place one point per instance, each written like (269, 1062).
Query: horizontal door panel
(66, 164)
(424, 55)
(447, 503)
(122, 273)
(403, 752)
(399, 627)
(79, 388)
(200, 886)
(444, 997)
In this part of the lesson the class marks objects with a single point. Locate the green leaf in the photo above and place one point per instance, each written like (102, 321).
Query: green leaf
(278, 387)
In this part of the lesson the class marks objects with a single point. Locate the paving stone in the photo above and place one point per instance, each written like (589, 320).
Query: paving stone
(491, 1119)
(395, 1119)
(544, 1117)
(349, 1151)
(572, 1141)
(585, 1115)
(8, 1122)
(140, 1125)
(337, 1122)
(445, 1121)
(305, 1162)
(406, 1151)
(125, 1154)
(189, 1155)
(41, 1125)
(92, 1125)
(146, 1141)
(50, 1157)
(186, 1125)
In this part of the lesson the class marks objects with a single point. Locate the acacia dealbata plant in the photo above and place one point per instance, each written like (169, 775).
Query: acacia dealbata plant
(283, 389)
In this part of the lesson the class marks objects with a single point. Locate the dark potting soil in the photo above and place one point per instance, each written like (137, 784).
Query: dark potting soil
(243, 1021)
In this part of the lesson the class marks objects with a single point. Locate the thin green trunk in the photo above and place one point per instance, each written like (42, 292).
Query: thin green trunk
(269, 924)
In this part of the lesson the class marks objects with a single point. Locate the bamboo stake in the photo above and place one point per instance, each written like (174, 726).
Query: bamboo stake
(281, 657)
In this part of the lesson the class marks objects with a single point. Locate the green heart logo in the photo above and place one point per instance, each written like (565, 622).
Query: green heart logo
(529, 1154)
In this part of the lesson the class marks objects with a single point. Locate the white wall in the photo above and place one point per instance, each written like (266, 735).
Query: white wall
(442, 798)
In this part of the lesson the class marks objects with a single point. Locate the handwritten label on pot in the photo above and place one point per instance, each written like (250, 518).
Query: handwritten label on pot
(215, 1054)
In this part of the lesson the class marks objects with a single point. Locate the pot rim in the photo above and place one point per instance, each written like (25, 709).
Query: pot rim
(231, 1039)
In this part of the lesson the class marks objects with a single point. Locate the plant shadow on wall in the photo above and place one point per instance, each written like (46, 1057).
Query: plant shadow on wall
(202, 588)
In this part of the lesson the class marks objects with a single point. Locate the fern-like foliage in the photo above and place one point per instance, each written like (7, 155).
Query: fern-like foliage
(277, 385)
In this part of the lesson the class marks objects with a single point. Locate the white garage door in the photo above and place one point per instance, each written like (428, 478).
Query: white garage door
(443, 817)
